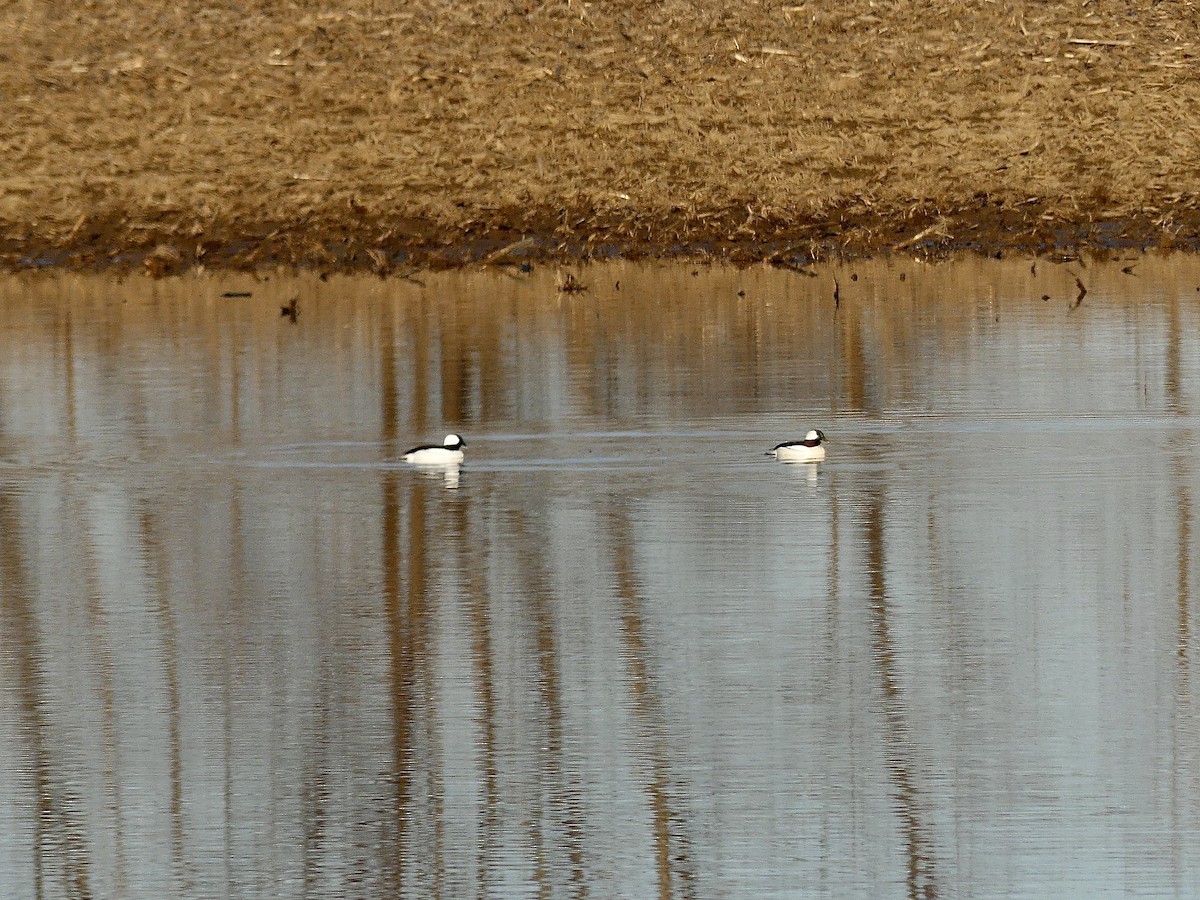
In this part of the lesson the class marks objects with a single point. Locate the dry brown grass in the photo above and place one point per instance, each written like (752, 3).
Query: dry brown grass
(316, 132)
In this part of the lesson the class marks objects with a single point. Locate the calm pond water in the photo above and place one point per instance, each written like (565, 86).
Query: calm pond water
(247, 652)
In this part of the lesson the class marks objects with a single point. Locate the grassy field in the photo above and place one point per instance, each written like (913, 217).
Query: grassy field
(367, 134)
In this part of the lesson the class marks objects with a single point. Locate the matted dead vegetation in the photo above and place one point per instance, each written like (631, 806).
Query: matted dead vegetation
(370, 134)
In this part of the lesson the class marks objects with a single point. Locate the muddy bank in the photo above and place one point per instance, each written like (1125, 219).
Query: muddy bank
(370, 136)
(159, 249)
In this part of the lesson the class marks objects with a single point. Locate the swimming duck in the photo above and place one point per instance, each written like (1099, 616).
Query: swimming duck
(811, 449)
(450, 452)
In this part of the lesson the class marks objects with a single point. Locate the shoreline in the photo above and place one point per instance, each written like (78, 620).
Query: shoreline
(391, 248)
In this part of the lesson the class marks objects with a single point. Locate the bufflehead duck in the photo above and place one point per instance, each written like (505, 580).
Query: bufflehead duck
(449, 453)
(811, 449)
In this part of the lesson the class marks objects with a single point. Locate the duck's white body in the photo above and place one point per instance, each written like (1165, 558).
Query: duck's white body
(450, 453)
(811, 449)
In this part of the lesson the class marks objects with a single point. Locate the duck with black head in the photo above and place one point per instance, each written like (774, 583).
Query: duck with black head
(811, 449)
(448, 453)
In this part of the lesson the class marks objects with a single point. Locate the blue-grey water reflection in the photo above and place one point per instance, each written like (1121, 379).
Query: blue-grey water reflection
(246, 652)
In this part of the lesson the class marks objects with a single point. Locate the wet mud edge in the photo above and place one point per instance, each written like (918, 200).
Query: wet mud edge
(336, 244)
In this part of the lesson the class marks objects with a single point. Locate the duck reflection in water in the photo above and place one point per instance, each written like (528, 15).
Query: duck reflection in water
(448, 473)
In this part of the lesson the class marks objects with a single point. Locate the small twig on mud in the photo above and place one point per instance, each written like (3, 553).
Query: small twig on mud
(380, 259)
(78, 224)
(837, 295)
(1086, 43)
(924, 233)
(522, 244)
(163, 259)
(780, 258)
(745, 226)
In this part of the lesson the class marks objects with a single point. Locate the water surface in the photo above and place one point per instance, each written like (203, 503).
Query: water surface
(246, 652)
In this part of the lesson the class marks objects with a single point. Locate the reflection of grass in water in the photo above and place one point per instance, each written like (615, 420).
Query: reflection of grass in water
(356, 134)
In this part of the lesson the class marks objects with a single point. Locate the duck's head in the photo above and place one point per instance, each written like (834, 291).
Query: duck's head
(816, 435)
(453, 442)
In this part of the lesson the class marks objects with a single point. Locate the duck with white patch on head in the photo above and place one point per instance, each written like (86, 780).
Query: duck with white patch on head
(449, 453)
(811, 449)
